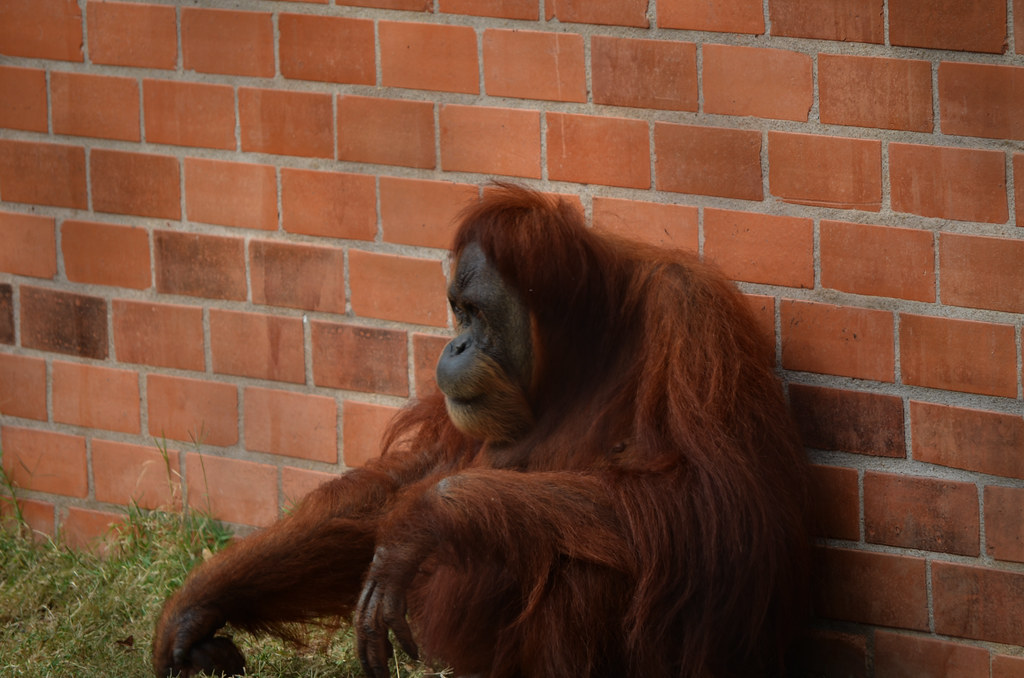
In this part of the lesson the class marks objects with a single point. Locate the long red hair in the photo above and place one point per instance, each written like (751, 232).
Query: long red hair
(652, 368)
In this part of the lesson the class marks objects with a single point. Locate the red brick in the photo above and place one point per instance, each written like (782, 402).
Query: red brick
(590, 149)
(534, 65)
(30, 245)
(106, 254)
(43, 174)
(664, 225)
(227, 41)
(849, 421)
(296, 483)
(1004, 523)
(708, 161)
(52, 320)
(37, 515)
(200, 265)
(978, 603)
(293, 424)
(231, 193)
(22, 386)
(191, 410)
(974, 440)
(364, 429)
(426, 349)
(132, 34)
(327, 49)
(839, 340)
(23, 99)
(273, 346)
(286, 123)
(981, 100)
(135, 183)
(428, 56)
(528, 10)
(410, 5)
(881, 261)
(978, 26)
(904, 656)
(1018, 184)
(950, 183)
(386, 131)
(232, 490)
(958, 355)
(982, 272)
(136, 475)
(89, 530)
(644, 73)
(607, 12)
(921, 513)
(163, 335)
(96, 397)
(723, 16)
(329, 204)
(189, 114)
(490, 140)
(41, 29)
(392, 287)
(45, 461)
(825, 171)
(422, 213)
(872, 588)
(754, 81)
(1005, 666)
(846, 20)
(761, 248)
(95, 106)
(875, 92)
(835, 502)
(297, 276)
(358, 358)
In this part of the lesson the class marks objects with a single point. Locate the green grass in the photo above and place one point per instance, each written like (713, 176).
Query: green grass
(69, 613)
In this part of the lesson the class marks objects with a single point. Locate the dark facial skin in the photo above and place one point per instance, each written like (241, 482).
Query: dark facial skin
(485, 371)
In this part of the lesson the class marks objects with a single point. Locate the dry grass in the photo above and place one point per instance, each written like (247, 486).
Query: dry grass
(68, 613)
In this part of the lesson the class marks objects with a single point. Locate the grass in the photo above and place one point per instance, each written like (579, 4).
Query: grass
(80, 614)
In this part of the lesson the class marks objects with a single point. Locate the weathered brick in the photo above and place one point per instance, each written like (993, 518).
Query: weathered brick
(297, 276)
(52, 320)
(921, 513)
(164, 335)
(849, 421)
(273, 346)
(359, 358)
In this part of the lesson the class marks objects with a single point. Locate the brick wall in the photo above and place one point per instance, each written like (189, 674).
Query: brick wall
(222, 233)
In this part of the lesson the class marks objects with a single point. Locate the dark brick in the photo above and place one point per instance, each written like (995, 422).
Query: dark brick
(200, 265)
(66, 323)
(6, 314)
(850, 421)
